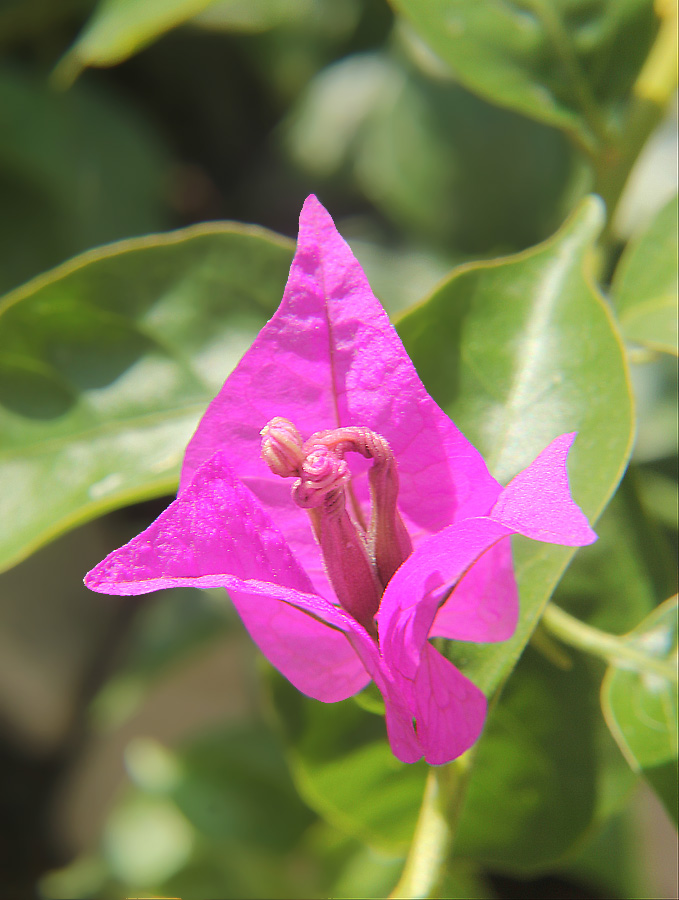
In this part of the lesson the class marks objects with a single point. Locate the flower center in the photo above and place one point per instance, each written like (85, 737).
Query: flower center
(359, 563)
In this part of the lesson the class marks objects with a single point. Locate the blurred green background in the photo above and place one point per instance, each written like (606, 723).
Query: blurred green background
(139, 747)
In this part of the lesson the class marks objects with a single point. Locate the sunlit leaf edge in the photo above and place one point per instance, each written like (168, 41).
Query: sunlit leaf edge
(117, 248)
(162, 485)
(592, 207)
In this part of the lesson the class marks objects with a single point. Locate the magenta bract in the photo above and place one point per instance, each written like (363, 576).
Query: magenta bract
(330, 359)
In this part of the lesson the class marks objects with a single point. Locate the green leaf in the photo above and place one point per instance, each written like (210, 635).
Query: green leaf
(540, 769)
(107, 363)
(641, 707)
(119, 28)
(645, 286)
(518, 351)
(344, 769)
(556, 61)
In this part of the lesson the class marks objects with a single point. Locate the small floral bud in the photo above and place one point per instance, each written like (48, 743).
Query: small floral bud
(282, 447)
(323, 473)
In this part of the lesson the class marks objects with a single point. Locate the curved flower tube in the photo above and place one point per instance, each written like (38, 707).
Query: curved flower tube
(394, 531)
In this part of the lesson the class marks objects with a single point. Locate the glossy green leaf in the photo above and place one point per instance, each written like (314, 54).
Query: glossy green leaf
(557, 61)
(107, 363)
(344, 768)
(540, 769)
(641, 707)
(645, 286)
(518, 351)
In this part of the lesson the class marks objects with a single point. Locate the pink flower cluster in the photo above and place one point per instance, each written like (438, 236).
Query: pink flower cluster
(394, 531)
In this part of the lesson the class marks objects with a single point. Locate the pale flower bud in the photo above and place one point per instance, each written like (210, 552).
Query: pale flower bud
(282, 447)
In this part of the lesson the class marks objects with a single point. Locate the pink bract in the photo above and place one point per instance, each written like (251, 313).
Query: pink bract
(329, 357)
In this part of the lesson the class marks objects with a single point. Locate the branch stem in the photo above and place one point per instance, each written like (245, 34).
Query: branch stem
(610, 647)
(434, 832)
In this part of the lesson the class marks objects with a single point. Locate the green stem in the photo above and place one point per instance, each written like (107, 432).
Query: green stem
(434, 832)
(610, 647)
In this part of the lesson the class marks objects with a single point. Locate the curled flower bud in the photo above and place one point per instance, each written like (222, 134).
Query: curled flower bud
(323, 473)
(282, 447)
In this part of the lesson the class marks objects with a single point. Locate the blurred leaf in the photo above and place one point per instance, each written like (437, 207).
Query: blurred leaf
(612, 584)
(146, 840)
(655, 391)
(654, 178)
(218, 816)
(252, 15)
(172, 623)
(442, 164)
(645, 286)
(559, 61)
(461, 883)
(119, 28)
(235, 785)
(399, 275)
(660, 496)
(518, 351)
(168, 627)
(366, 874)
(536, 769)
(344, 768)
(641, 707)
(107, 362)
(21, 19)
(76, 170)
(611, 861)
(237, 871)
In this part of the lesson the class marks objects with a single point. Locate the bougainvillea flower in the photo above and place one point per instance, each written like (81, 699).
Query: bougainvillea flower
(392, 531)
